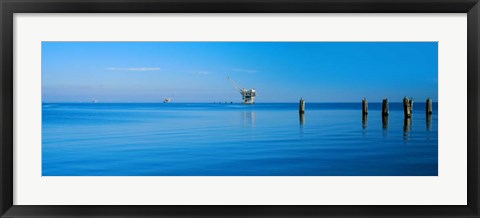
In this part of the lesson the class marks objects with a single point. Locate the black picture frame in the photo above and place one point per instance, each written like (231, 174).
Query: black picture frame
(9, 7)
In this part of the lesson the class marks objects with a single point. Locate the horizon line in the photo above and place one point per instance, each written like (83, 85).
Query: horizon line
(222, 102)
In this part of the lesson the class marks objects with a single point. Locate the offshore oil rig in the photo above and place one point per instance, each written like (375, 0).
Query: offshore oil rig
(248, 96)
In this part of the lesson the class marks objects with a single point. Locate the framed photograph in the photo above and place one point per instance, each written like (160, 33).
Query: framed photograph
(239, 109)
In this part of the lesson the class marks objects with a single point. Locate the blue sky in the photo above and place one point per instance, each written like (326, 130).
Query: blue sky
(279, 71)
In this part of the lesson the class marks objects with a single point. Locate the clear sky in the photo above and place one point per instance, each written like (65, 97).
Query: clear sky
(279, 71)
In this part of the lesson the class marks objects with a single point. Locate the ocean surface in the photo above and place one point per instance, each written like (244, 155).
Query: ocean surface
(182, 139)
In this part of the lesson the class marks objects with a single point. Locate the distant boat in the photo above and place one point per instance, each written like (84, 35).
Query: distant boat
(167, 100)
(94, 101)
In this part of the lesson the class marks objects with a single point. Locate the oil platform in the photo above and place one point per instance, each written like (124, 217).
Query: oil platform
(248, 96)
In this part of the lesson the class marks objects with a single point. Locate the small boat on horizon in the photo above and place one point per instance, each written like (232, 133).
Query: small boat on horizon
(167, 100)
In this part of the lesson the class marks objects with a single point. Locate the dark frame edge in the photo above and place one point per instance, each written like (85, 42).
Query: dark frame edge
(7, 209)
(241, 6)
(473, 69)
(6, 109)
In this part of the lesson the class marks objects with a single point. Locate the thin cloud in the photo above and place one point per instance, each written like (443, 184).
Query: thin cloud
(134, 68)
(244, 70)
(203, 73)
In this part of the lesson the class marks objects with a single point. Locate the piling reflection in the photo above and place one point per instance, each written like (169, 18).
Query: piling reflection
(407, 127)
(429, 122)
(384, 122)
(385, 125)
(249, 119)
(364, 121)
(302, 119)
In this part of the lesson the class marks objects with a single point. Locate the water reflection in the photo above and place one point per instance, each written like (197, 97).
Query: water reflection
(302, 119)
(249, 119)
(364, 121)
(407, 127)
(385, 125)
(364, 124)
(429, 122)
(384, 122)
(332, 144)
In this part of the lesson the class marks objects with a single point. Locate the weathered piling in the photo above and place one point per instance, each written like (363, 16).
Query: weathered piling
(301, 109)
(364, 106)
(407, 107)
(407, 124)
(429, 111)
(429, 107)
(301, 112)
(411, 106)
(385, 107)
(429, 122)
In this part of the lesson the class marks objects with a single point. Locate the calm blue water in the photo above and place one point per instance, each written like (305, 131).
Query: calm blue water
(179, 139)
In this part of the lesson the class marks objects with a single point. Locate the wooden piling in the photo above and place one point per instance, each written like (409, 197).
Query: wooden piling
(407, 126)
(411, 106)
(301, 109)
(407, 107)
(385, 107)
(429, 107)
(364, 106)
